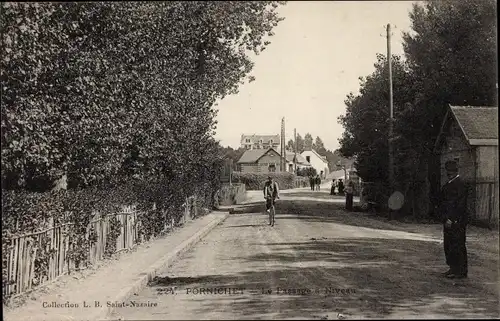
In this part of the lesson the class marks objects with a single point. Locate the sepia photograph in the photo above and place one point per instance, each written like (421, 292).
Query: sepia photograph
(256, 160)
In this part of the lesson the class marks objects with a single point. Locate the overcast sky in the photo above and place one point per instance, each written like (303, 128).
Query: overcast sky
(314, 60)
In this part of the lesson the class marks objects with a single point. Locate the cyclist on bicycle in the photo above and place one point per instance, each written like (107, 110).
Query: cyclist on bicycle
(271, 192)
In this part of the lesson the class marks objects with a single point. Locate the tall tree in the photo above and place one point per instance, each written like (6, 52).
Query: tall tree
(319, 146)
(447, 38)
(100, 89)
(308, 141)
(452, 52)
(300, 144)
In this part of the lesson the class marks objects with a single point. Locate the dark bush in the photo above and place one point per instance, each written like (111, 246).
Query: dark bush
(255, 181)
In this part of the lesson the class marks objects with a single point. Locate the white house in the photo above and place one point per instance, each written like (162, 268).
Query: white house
(300, 162)
(260, 141)
(317, 161)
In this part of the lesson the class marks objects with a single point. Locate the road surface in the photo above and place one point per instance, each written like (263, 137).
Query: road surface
(317, 262)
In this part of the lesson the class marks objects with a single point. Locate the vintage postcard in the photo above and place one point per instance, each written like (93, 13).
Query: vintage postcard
(226, 160)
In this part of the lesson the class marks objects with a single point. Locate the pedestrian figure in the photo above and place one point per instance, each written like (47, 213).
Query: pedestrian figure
(332, 189)
(311, 182)
(349, 195)
(341, 187)
(453, 210)
(318, 182)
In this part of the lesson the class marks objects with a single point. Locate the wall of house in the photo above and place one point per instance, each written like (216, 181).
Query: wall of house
(316, 162)
(270, 158)
(456, 148)
(487, 184)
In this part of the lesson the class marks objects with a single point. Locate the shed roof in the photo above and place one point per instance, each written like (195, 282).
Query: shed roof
(477, 122)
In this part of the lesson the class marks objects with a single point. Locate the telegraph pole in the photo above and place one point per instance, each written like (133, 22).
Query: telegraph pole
(295, 149)
(391, 111)
(283, 156)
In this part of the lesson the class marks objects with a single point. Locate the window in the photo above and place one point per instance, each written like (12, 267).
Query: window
(260, 141)
(308, 159)
(247, 140)
(271, 141)
(272, 167)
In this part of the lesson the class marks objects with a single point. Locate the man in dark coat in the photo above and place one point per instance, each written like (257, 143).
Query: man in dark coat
(453, 210)
(311, 182)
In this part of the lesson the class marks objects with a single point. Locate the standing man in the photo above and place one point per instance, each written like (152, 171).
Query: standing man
(349, 195)
(341, 187)
(332, 189)
(453, 210)
(311, 182)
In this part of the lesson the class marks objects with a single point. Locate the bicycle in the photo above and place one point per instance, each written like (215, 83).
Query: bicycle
(272, 210)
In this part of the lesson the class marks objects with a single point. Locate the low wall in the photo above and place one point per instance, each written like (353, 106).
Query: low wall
(232, 194)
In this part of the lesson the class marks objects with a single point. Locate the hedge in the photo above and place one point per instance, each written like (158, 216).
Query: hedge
(26, 212)
(255, 181)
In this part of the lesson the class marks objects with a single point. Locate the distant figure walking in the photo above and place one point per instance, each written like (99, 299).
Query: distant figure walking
(311, 182)
(318, 182)
(332, 189)
(349, 195)
(341, 187)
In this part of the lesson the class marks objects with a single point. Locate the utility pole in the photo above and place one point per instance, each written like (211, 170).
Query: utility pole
(295, 149)
(283, 156)
(391, 116)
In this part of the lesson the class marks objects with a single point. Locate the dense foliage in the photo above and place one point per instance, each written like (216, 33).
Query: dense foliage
(256, 181)
(307, 172)
(116, 98)
(450, 59)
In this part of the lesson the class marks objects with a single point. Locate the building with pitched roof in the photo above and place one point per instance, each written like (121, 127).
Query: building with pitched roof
(299, 163)
(469, 135)
(268, 160)
(260, 141)
(317, 161)
(259, 161)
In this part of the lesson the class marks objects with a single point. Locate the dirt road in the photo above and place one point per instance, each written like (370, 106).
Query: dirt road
(316, 262)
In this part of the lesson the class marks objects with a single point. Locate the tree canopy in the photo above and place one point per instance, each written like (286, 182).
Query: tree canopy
(450, 58)
(100, 90)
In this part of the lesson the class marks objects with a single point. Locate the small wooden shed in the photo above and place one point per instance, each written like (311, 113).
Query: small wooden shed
(469, 135)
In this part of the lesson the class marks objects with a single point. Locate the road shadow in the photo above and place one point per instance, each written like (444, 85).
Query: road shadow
(239, 226)
(320, 211)
(315, 194)
(385, 278)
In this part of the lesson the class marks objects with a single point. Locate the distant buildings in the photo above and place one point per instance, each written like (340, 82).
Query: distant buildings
(259, 161)
(254, 141)
(317, 161)
(268, 161)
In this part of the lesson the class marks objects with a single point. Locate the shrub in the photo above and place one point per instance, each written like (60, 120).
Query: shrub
(255, 181)
(301, 181)
(307, 172)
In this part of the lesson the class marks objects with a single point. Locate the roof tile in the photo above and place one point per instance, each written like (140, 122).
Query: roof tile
(477, 122)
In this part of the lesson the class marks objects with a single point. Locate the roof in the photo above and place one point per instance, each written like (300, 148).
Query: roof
(265, 138)
(253, 155)
(479, 124)
(323, 158)
(300, 158)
